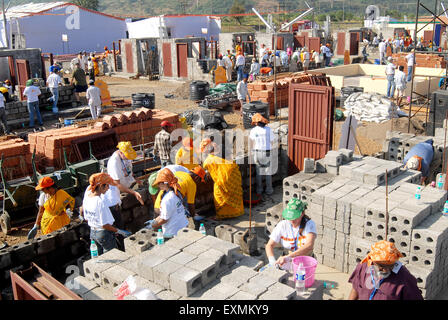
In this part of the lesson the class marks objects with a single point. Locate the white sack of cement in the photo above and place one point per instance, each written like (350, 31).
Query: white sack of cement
(370, 107)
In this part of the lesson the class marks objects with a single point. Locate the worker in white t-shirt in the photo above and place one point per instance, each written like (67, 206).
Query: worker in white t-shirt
(173, 215)
(4, 122)
(53, 82)
(93, 96)
(32, 93)
(382, 50)
(261, 139)
(119, 167)
(296, 233)
(228, 66)
(98, 215)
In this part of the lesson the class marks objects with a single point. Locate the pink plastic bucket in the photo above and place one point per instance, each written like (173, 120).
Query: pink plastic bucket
(310, 264)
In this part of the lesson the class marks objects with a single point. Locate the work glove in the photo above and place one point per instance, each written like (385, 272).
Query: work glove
(272, 261)
(124, 233)
(33, 232)
(148, 224)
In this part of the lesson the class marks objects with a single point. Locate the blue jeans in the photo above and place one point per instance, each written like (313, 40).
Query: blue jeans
(239, 71)
(390, 86)
(55, 98)
(104, 240)
(327, 61)
(33, 108)
(409, 78)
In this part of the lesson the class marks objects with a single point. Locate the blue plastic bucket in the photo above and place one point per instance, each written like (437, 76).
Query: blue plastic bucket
(377, 61)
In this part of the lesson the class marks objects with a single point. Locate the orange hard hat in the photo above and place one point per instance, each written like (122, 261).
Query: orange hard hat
(45, 182)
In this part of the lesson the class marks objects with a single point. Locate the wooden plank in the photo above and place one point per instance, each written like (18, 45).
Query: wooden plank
(39, 286)
(56, 290)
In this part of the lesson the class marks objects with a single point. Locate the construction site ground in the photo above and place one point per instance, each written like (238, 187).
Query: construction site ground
(369, 135)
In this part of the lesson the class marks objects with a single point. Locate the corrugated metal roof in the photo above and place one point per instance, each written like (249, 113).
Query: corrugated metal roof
(30, 9)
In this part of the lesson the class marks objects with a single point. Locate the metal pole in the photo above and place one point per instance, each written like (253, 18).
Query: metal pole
(275, 72)
(4, 25)
(413, 67)
(434, 25)
(387, 208)
(115, 56)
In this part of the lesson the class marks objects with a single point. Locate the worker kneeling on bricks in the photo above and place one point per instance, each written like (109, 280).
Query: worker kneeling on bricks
(420, 157)
(296, 233)
(98, 215)
(53, 203)
(173, 215)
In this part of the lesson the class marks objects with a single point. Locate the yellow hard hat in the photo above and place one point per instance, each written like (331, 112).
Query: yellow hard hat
(126, 148)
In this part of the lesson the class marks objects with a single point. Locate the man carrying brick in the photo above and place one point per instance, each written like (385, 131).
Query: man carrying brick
(32, 95)
(420, 157)
(163, 144)
(93, 96)
(380, 276)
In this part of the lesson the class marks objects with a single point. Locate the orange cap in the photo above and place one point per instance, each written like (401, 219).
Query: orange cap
(200, 172)
(45, 182)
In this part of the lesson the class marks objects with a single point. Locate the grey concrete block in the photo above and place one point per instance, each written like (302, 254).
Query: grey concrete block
(248, 261)
(114, 276)
(375, 176)
(333, 158)
(185, 281)
(347, 155)
(241, 295)
(275, 274)
(308, 165)
(94, 267)
(329, 261)
(145, 284)
(168, 295)
(135, 245)
(332, 169)
(228, 248)
(218, 257)
(207, 267)
(358, 231)
(357, 221)
(178, 244)
(163, 271)
(220, 291)
(255, 288)
(409, 214)
(162, 251)
(182, 258)
(194, 249)
(81, 285)
(328, 251)
(238, 276)
(279, 291)
(146, 265)
(377, 210)
(359, 246)
(328, 222)
(225, 232)
(98, 293)
(189, 234)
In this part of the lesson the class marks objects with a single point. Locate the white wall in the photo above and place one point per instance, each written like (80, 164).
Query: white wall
(86, 30)
(180, 27)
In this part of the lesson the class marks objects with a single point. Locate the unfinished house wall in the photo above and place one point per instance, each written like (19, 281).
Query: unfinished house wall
(32, 55)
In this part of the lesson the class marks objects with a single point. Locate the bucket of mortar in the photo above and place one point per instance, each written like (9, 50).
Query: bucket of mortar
(310, 264)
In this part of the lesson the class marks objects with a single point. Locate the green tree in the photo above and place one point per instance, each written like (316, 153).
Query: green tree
(237, 7)
(321, 17)
(88, 4)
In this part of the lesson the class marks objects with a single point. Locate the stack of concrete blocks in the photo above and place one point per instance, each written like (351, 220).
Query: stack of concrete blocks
(190, 266)
(134, 215)
(350, 215)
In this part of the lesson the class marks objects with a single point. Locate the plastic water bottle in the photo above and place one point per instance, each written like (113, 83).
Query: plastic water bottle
(440, 181)
(300, 279)
(202, 229)
(160, 237)
(328, 285)
(445, 209)
(418, 193)
(93, 250)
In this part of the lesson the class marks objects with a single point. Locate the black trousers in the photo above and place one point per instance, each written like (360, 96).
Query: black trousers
(118, 223)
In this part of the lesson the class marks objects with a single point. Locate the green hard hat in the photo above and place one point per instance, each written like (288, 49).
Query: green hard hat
(294, 209)
(29, 82)
(151, 179)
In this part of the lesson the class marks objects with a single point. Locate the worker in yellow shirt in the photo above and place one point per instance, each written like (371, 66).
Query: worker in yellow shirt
(186, 156)
(188, 185)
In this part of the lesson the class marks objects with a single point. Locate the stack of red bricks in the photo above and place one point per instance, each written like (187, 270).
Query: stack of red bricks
(263, 90)
(138, 126)
(16, 158)
(421, 59)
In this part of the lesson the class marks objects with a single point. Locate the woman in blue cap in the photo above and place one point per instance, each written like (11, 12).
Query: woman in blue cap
(296, 233)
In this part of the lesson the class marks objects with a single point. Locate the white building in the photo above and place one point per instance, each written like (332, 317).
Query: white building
(60, 28)
(175, 26)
